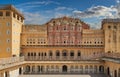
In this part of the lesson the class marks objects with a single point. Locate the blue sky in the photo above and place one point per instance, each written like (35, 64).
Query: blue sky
(41, 11)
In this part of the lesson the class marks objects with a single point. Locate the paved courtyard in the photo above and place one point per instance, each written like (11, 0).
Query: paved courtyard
(93, 75)
(54, 76)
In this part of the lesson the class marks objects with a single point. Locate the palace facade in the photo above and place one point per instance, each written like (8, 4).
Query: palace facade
(63, 45)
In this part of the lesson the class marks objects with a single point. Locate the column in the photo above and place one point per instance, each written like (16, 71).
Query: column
(7, 74)
(23, 70)
(45, 69)
(30, 69)
(60, 69)
(68, 70)
(2, 74)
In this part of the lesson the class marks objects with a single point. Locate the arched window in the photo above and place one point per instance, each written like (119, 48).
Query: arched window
(57, 53)
(27, 68)
(39, 54)
(64, 53)
(72, 53)
(34, 54)
(79, 53)
(28, 54)
(50, 53)
(45, 54)
(31, 54)
(64, 27)
(109, 27)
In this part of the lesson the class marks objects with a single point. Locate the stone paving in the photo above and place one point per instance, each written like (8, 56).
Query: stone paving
(54, 76)
(92, 75)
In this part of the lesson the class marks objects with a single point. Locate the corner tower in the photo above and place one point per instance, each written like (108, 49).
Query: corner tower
(11, 21)
(111, 29)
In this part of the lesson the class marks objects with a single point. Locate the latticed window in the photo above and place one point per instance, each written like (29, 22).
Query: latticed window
(79, 53)
(64, 54)
(28, 54)
(7, 13)
(57, 53)
(72, 54)
(50, 53)
(109, 27)
(1, 13)
(14, 15)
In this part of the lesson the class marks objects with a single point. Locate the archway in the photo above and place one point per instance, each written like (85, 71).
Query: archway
(119, 72)
(95, 69)
(38, 69)
(115, 73)
(27, 68)
(64, 68)
(108, 71)
(101, 69)
(6, 74)
(20, 71)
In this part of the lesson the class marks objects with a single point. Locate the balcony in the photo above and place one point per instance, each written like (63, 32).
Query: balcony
(10, 62)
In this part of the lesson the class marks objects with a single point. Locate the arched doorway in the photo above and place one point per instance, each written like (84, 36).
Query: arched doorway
(119, 72)
(27, 69)
(6, 74)
(115, 73)
(20, 71)
(64, 68)
(101, 69)
(108, 71)
(38, 67)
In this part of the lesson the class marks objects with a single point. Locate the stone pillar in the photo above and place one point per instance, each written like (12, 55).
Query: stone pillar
(30, 69)
(45, 69)
(7, 74)
(60, 69)
(68, 70)
(23, 70)
(35, 69)
(2, 74)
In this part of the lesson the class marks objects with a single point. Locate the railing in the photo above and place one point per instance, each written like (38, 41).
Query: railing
(112, 55)
(11, 61)
(62, 58)
(84, 46)
(68, 58)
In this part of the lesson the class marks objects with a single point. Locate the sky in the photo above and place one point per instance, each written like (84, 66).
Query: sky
(90, 11)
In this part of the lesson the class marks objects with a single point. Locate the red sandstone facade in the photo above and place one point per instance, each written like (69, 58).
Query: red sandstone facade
(65, 31)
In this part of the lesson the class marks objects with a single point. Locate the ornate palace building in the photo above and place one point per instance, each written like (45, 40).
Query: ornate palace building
(63, 45)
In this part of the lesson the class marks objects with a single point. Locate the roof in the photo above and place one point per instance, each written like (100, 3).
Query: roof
(111, 20)
(11, 7)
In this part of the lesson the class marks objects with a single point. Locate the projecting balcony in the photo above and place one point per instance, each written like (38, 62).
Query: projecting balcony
(10, 62)
(114, 57)
(64, 58)
(81, 46)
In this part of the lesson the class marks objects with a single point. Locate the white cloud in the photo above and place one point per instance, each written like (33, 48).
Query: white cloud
(57, 14)
(34, 18)
(63, 8)
(33, 4)
(118, 1)
(96, 11)
(39, 3)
